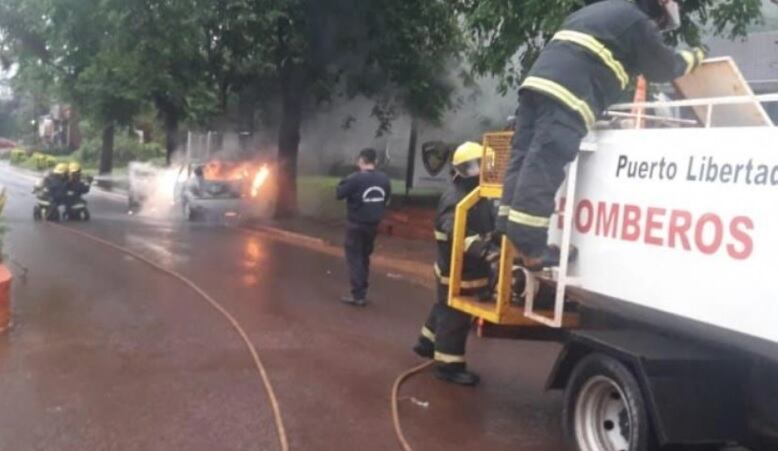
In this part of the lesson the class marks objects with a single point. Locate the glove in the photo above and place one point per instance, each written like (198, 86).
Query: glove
(492, 253)
(699, 56)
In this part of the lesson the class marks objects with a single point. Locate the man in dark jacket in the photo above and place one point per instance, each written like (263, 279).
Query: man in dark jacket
(367, 193)
(444, 334)
(581, 72)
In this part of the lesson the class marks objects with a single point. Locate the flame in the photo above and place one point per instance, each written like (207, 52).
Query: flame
(228, 171)
(259, 179)
(248, 173)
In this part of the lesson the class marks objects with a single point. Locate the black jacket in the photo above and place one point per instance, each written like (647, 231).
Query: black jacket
(589, 62)
(367, 194)
(480, 225)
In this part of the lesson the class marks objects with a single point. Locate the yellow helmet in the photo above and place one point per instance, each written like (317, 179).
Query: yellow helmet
(61, 169)
(467, 159)
(74, 167)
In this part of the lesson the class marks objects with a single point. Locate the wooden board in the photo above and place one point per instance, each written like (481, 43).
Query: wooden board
(720, 77)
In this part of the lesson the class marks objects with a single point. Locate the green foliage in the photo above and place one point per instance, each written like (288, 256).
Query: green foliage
(17, 155)
(126, 149)
(39, 161)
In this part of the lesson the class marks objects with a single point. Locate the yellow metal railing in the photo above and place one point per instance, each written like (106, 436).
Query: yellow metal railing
(501, 310)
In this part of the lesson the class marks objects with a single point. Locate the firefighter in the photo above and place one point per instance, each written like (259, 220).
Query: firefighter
(75, 188)
(444, 335)
(53, 185)
(585, 68)
(50, 193)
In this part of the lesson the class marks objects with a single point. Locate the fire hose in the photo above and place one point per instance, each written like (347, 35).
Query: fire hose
(395, 401)
(260, 367)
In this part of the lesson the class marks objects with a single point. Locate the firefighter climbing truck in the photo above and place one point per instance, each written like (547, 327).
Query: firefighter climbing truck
(669, 313)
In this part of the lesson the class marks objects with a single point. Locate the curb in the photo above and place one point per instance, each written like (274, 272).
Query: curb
(417, 272)
(289, 235)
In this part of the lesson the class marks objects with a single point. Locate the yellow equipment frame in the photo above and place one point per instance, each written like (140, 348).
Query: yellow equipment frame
(503, 311)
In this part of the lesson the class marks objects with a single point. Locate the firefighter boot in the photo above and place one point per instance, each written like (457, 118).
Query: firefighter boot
(550, 257)
(424, 348)
(456, 373)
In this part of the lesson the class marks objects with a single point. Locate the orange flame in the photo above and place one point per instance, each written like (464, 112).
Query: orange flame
(259, 179)
(221, 171)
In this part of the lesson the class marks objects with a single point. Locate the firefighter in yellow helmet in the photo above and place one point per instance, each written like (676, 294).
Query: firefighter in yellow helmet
(76, 187)
(50, 192)
(444, 334)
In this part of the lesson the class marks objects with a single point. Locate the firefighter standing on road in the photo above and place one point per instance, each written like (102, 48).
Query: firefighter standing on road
(444, 335)
(367, 193)
(583, 70)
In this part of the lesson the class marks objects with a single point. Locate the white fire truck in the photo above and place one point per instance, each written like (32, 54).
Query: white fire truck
(669, 314)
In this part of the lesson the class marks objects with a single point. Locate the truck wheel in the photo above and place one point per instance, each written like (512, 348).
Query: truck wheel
(604, 408)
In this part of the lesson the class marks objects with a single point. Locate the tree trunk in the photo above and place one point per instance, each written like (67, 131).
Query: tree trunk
(289, 144)
(106, 152)
(171, 136)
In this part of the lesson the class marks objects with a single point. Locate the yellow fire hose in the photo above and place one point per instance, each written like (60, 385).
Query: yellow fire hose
(395, 399)
(279, 421)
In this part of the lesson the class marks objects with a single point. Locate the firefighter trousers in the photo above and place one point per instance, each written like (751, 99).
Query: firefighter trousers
(359, 242)
(446, 331)
(547, 139)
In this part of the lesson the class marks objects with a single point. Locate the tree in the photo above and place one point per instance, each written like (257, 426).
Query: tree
(304, 52)
(498, 29)
(167, 43)
(66, 47)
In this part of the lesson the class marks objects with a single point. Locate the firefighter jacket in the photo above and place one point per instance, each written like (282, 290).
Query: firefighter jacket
(77, 188)
(588, 64)
(480, 225)
(52, 187)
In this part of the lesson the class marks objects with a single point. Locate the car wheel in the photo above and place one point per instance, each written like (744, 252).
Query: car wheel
(604, 408)
(189, 213)
(132, 204)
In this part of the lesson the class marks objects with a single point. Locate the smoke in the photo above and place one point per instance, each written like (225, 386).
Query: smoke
(155, 188)
(333, 135)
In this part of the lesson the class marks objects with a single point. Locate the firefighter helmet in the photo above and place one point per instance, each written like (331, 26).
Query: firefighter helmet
(74, 168)
(666, 13)
(61, 169)
(467, 159)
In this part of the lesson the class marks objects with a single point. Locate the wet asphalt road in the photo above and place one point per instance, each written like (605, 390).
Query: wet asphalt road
(108, 354)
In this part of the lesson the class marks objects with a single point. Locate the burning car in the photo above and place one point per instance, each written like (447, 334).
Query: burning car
(220, 187)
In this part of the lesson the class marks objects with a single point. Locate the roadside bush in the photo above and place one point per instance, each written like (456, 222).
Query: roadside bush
(126, 149)
(18, 155)
(41, 161)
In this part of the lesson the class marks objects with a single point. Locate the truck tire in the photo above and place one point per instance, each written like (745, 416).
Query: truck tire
(604, 408)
